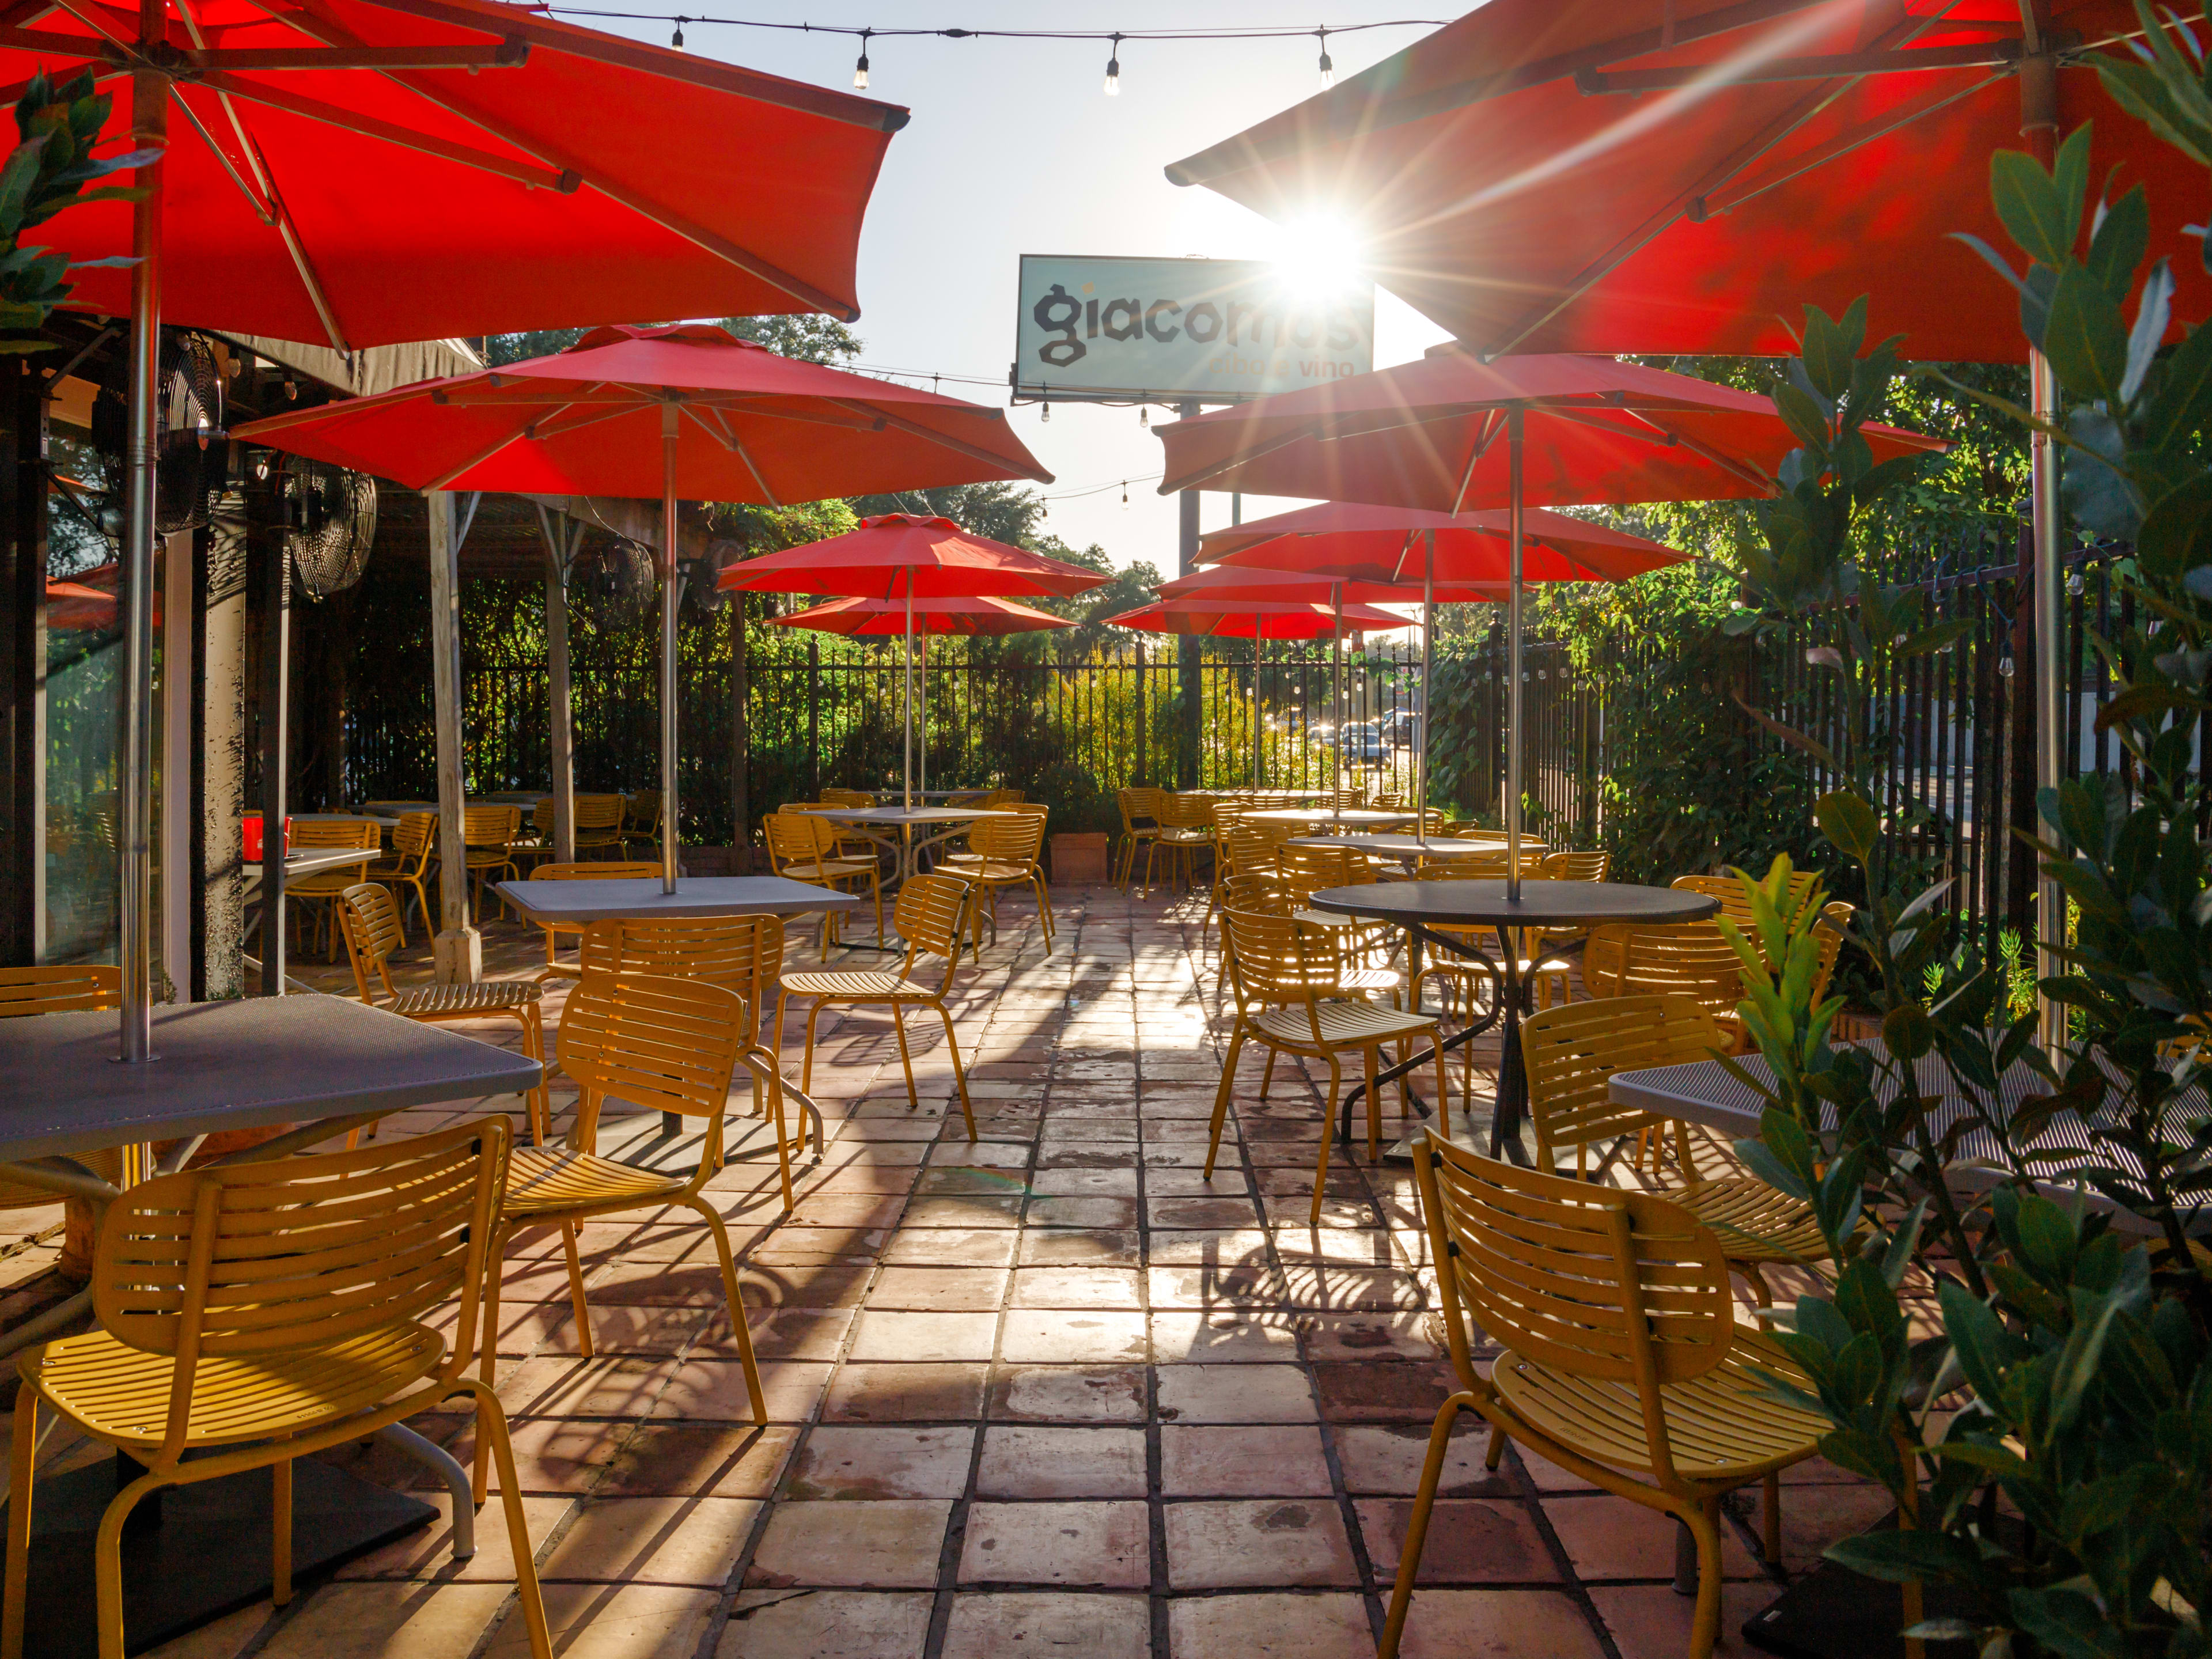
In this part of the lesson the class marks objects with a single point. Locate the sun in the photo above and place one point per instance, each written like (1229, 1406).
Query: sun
(1319, 256)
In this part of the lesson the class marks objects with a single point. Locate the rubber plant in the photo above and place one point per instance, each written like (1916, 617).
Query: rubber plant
(57, 129)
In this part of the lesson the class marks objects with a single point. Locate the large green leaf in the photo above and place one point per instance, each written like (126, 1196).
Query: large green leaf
(2117, 246)
(2085, 337)
(1848, 820)
(1899, 1557)
(2034, 212)
(2176, 531)
(2183, 400)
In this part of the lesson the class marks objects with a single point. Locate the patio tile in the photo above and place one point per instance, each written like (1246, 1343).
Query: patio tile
(1470, 1541)
(965, 1210)
(1038, 1462)
(905, 1394)
(1202, 1338)
(988, 1626)
(1072, 1337)
(1369, 1337)
(882, 1463)
(1473, 1624)
(714, 1389)
(1077, 1287)
(1649, 1621)
(1233, 1246)
(1234, 1394)
(1388, 1460)
(915, 1245)
(1067, 1393)
(938, 1289)
(892, 1545)
(1064, 1183)
(1217, 1211)
(698, 1459)
(883, 1334)
(388, 1621)
(781, 1333)
(614, 1621)
(1054, 1247)
(1609, 1537)
(781, 1624)
(1270, 1543)
(1232, 1284)
(1331, 1626)
(1405, 1393)
(653, 1540)
(1211, 1462)
(429, 1553)
(1107, 1543)
(226, 1638)
(553, 1455)
(561, 1385)
(832, 1284)
(1093, 1213)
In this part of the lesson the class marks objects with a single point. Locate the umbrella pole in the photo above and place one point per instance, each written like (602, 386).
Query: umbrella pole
(921, 739)
(906, 756)
(1513, 447)
(668, 596)
(1257, 626)
(1428, 630)
(2052, 731)
(1336, 694)
(149, 116)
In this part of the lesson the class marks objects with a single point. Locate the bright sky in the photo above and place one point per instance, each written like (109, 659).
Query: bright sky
(1013, 148)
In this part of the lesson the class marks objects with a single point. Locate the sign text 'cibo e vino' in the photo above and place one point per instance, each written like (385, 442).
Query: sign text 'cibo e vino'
(1201, 331)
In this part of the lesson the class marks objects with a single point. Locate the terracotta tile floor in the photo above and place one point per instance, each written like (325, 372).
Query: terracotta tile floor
(1049, 1392)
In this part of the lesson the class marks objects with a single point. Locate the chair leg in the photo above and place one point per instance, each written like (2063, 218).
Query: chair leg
(734, 1294)
(489, 1369)
(280, 1529)
(1770, 1515)
(1221, 1095)
(1369, 1056)
(772, 1110)
(1327, 1132)
(108, 1563)
(1268, 1075)
(1417, 1523)
(959, 1077)
(540, 1099)
(491, 1432)
(24, 1453)
(1494, 1454)
(807, 1056)
(906, 1063)
(576, 1289)
(1703, 1521)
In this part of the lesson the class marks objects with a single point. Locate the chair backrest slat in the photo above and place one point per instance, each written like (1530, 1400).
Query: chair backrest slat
(1271, 961)
(1572, 1052)
(59, 989)
(660, 1043)
(605, 871)
(744, 954)
(931, 915)
(370, 916)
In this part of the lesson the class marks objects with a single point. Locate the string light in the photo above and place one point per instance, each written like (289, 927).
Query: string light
(1048, 409)
(1124, 493)
(860, 69)
(1114, 69)
(1328, 68)
(1144, 417)
(677, 40)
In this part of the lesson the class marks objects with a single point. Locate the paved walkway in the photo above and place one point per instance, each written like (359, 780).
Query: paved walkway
(1048, 1393)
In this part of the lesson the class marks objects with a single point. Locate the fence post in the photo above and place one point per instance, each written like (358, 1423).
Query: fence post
(741, 844)
(1188, 672)
(814, 719)
(1144, 719)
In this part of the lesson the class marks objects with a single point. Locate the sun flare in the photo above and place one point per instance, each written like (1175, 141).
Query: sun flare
(1319, 256)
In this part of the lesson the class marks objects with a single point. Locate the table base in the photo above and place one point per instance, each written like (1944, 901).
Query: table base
(1833, 1612)
(208, 1554)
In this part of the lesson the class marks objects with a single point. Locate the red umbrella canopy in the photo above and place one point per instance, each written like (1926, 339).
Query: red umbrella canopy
(1554, 175)
(1389, 544)
(898, 553)
(1432, 434)
(1223, 584)
(980, 614)
(751, 426)
(352, 172)
(1277, 619)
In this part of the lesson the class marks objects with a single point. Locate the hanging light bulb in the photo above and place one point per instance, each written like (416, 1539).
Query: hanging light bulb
(860, 69)
(1125, 492)
(1144, 418)
(677, 39)
(1114, 69)
(1048, 409)
(1328, 68)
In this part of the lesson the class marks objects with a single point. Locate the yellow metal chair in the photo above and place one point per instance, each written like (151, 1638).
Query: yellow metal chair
(371, 919)
(1622, 1362)
(1005, 852)
(1570, 1054)
(251, 1314)
(321, 889)
(1288, 982)
(555, 968)
(488, 836)
(852, 797)
(931, 915)
(600, 824)
(414, 855)
(1141, 813)
(642, 821)
(743, 954)
(1185, 831)
(803, 847)
(78, 987)
(82, 988)
(667, 1045)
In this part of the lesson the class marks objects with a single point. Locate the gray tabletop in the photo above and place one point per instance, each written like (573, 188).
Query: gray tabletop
(231, 1065)
(1352, 818)
(381, 820)
(894, 815)
(315, 861)
(1412, 846)
(1541, 903)
(405, 805)
(622, 900)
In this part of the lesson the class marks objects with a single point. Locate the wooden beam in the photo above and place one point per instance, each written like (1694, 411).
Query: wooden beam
(313, 109)
(458, 948)
(560, 552)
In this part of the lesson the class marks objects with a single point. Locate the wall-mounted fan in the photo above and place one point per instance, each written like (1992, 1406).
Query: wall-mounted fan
(618, 575)
(701, 575)
(330, 524)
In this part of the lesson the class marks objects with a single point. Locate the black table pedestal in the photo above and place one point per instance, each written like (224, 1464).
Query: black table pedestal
(193, 1553)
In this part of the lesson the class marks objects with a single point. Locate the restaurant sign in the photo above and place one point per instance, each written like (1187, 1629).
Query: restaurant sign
(1167, 331)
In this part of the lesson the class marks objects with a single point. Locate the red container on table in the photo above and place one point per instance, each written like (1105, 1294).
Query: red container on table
(250, 828)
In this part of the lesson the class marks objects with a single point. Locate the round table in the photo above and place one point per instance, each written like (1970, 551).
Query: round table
(1349, 818)
(1407, 849)
(1420, 907)
(878, 824)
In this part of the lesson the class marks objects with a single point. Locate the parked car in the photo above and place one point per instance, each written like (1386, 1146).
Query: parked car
(1400, 728)
(1362, 744)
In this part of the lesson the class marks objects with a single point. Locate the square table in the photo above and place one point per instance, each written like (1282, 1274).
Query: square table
(892, 828)
(1335, 818)
(327, 1063)
(623, 898)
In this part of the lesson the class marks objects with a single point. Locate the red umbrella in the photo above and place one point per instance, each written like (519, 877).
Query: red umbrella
(1452, 432)
(1356, 541)
(980, 615)
(359, 171)
(1274, 619)
(901, 557)
(626, 411)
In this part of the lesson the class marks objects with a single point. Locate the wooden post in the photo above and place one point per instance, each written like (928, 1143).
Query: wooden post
(1190, 651)
(741, 844)
(218, 925)
(459, 948)
(22, 667)
(1144, 718)
(560, 533)
(814, 719)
